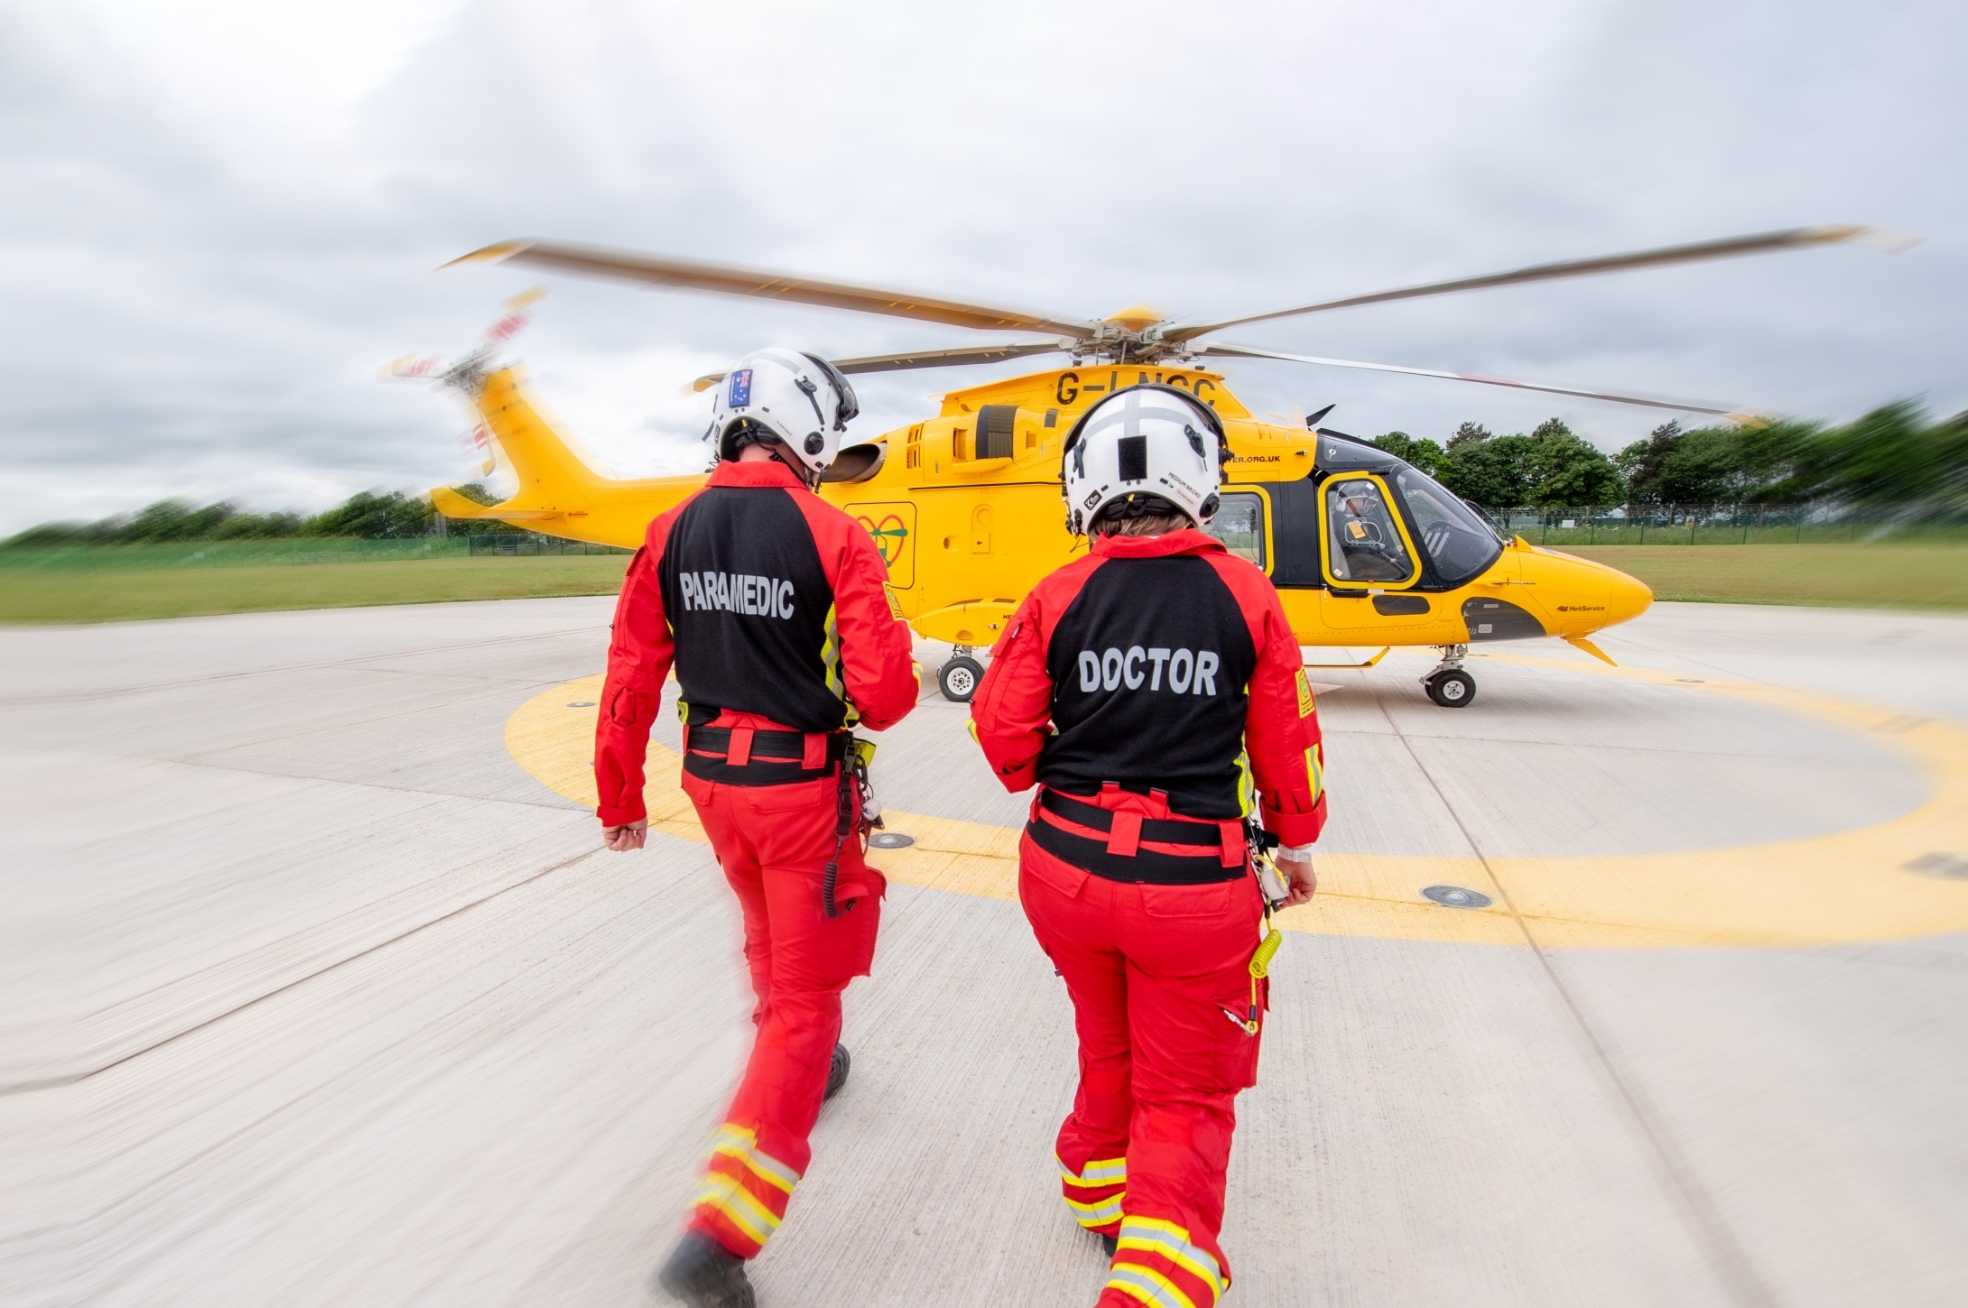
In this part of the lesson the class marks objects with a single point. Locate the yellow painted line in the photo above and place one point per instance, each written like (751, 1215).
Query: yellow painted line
(1845, 887)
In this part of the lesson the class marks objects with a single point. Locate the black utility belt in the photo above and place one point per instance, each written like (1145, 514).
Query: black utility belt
(743, 756)
(1220, 852)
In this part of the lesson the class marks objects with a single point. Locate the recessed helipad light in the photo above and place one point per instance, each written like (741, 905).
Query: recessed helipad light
(1937, 864)
(890, 840)
(1691, 681)
(582, 703)
(1456, 897)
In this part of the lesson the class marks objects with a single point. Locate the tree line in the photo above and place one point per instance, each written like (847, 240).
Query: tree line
(366, 515)
(1893, 458)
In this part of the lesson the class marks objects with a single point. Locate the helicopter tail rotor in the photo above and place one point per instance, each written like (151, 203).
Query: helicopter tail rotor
(468, 371)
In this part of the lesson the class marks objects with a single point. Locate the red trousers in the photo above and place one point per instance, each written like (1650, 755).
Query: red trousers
(773, 843)
(1160, 982)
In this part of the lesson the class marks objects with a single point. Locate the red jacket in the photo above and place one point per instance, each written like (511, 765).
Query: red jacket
(1158, 662)
(783, 607)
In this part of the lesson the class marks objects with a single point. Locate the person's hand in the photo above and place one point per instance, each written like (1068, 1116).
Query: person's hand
(1302, 880)
(630, 835)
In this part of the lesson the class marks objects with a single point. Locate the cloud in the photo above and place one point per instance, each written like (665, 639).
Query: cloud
(223, 217)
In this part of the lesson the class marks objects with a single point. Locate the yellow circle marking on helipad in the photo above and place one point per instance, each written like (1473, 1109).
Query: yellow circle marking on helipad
(1845, 887)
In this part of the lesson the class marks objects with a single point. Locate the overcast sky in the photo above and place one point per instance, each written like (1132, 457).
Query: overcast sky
(218, 219)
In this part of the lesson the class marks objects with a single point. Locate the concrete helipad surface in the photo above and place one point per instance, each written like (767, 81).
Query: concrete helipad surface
(314, 988)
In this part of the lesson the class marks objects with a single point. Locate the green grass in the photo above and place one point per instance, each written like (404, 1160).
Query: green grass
(1852, 531)
(1845, 576)
(143, 590)
(107, 587)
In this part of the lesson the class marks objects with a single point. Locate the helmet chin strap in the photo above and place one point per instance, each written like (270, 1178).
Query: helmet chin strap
(776, 449)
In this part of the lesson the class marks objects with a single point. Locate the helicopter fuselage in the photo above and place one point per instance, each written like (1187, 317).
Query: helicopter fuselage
(966, 510)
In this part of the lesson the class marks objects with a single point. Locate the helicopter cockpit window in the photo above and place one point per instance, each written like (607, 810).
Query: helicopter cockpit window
(1455, 539)
(1239, 524)
(1363, 543)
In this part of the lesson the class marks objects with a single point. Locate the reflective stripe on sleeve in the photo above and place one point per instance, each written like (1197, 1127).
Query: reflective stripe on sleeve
(830, 656)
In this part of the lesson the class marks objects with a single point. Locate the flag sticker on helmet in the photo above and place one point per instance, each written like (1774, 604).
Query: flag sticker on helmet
(799, 400)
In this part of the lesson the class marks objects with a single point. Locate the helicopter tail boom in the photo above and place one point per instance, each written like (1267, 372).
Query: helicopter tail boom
(555, 492)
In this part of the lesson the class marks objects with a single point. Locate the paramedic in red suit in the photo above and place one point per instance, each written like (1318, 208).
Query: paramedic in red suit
(772, 605)
(1155, 694)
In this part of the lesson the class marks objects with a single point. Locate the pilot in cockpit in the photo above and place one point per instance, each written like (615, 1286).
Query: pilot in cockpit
(1364, 532)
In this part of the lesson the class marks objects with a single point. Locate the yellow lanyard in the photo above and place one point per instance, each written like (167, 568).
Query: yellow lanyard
(1260, 966)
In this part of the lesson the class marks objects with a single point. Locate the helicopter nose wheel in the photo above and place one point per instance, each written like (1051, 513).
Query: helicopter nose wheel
(1451, 689)
(1447, 684)
(958, 677)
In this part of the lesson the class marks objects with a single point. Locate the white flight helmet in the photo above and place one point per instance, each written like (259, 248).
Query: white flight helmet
(799, 398)
(1143, 444)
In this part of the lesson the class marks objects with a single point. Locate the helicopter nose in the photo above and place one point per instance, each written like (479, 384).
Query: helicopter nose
(1627, 598)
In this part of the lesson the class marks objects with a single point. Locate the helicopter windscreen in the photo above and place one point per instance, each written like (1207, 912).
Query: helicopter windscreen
(1453, 536)
(1364, 543)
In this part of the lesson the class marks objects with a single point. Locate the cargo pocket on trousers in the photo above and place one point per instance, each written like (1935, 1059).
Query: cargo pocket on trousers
(859, 898)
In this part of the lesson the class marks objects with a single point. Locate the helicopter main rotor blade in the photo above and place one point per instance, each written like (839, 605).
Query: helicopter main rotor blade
(690, 274)
(1220, 350)
(956, 358)
(1701, 250)
(925, 359)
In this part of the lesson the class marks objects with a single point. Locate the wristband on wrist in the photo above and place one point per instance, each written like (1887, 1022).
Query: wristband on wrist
(1296, 853)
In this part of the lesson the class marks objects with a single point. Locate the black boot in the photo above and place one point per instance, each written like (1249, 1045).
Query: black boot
(837, 1073)
(704, 1274)
(1112, 1244)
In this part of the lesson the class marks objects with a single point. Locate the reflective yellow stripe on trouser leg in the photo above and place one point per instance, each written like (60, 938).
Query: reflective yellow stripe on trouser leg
(1099, 1174)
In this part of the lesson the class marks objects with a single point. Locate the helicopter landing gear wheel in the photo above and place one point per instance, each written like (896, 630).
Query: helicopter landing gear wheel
(1447, 684)
(1452, 689)
(958, 678)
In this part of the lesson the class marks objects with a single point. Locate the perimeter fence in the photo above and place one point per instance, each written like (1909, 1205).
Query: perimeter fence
(1727, 524)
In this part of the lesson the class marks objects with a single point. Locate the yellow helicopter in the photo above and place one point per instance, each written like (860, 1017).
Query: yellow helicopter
(1365, 549)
